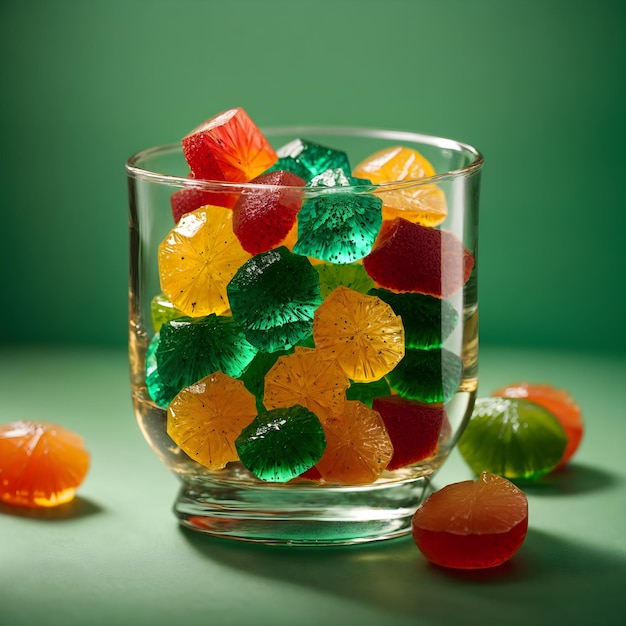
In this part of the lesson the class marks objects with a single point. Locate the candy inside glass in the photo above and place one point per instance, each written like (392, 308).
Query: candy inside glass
(232, 502)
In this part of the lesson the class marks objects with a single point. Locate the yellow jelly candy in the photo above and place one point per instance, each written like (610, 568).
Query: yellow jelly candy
(422, 204)
(197, 260)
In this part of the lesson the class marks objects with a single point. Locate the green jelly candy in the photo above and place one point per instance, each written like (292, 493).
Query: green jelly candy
(512, 437)
(352, 276)
(289, 164)
(273, 296)
(428, 321)
(427, 375)
(160, 392)
(338, 178)
(281, 444)
(191, 348)
(339, 227)
(312, 158)
(162, 311)
(366, 392)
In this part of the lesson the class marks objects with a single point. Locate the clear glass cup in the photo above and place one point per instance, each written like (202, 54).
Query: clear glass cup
(231, 502)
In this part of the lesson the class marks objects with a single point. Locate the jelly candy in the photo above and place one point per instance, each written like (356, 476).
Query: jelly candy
(281, 444)
(413, 428)
(358, 448)
(513, 438)
(428, 321)
(189, 199)
(162, 311)
(472, 524)
(338, 227)
(362, 332)
(338, 178)
(262, 218)
(198, 258)
(273, 296)
(160, 392)
(191, 348)
(41, 464)
(559, 403)
(366, 392)
(307, 159)
(427, 375)
(411, 257)
(205, 418)
(352, 276)
(424, 204)
(228, 147)
(308, 378)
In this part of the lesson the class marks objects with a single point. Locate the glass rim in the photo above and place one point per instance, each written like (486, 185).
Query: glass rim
(137, 172)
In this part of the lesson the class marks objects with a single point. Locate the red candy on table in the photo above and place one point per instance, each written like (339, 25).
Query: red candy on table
(416, 258)
(413, 428)
(472, 524)
(229, 147)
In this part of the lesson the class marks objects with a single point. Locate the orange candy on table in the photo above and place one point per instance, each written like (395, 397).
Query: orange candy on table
(41, 464)
(559, 402)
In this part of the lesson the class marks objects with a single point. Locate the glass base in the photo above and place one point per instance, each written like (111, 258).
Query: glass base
(307, 515)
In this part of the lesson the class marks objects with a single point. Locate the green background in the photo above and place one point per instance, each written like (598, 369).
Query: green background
(538, 87)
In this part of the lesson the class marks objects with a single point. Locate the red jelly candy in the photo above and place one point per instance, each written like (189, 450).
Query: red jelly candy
(229, 146)
(472, 524)
(262, 218)
(189, 199)
(413, 428)
(412, 257)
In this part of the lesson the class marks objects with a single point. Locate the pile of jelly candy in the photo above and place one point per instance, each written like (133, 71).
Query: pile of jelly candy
(301, 323)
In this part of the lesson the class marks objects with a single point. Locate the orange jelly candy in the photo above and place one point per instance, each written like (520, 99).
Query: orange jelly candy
(41, 464)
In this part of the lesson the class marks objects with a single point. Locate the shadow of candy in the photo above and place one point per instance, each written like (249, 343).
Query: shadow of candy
(549, 577)
(573, 479)
(76, 508)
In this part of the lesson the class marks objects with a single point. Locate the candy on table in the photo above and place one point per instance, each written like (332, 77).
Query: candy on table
(352, 275)
(366, 392)
(262, 218)
(228, 147)
(308, 159)
(281, 444)
(472, 524)
(339, 227)
(358, 447)
(412, 257)
(559, 402)
(424, 204)
(189, 199)
(308, 378)
(362, 332)
(427, 375)
(428, 321)
(205, 418)
(413, 428)
(191, 348)
(160, 392)
(513, 438)
(162, 311)
(41, 464)
(198, 258)
(273, 296)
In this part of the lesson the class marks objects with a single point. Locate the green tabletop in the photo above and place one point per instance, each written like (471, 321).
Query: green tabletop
(116, 555)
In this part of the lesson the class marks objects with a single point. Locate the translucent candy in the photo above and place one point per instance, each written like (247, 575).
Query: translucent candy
(198, 258)
(162, 311)
(281, 444)
(352, 276)
(366, 392)
(205, 418)
(308, 378)
(262, 218)
(411, 257)
(427, 375)
(41, 464)
(274, 296)
(358, 447)
(160, 393)
(229, 146)
(413, 428)
(424, 204)
(311, 158)
(189, 199)
(362, 332)
(337, 178)
(338, 227)
(191, 348)
(428, 321)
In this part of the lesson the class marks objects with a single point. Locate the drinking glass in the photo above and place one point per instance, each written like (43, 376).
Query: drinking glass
(232, 502)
